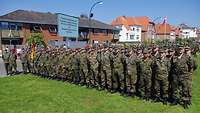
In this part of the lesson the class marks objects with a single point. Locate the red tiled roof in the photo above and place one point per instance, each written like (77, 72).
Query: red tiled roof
(130, 21)
(121, 20)
(163, 28)
(198, 31)
(175, 29)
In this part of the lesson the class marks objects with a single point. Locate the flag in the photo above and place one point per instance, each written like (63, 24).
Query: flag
(165, 20)
(33, 52)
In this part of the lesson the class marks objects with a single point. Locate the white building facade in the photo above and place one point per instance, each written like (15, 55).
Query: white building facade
(133, 34)
(188, 33)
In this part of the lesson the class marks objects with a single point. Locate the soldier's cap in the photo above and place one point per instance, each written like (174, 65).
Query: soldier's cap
(187, 48)
(161, 51)
(181, 46)
(170, 50)
(145, 51)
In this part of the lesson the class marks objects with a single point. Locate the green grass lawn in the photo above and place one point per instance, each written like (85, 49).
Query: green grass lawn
(31, 94)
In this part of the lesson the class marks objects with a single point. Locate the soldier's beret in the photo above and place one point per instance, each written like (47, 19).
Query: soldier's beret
(145, 51)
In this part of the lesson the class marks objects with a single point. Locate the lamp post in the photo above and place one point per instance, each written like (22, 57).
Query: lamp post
(91, 15)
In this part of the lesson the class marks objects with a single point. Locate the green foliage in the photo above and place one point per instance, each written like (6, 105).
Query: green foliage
(31, 94)
(147, 41)
(35, 38)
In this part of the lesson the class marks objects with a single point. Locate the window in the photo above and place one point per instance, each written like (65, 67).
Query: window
(119, 27)
(137, 37)
(96, 31)
(19, 28)
(105, 32)
(35, 28)
(132, 37)
(4, 25)
(138, 29)
(13, 27)
(126, 36)
(133, 29)
(52, 29)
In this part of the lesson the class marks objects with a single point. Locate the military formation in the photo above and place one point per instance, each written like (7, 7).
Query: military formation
(162, 74)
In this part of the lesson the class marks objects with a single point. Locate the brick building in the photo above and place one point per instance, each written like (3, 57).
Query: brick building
(16, 27)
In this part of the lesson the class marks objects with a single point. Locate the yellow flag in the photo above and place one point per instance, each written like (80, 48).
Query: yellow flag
(33, 52)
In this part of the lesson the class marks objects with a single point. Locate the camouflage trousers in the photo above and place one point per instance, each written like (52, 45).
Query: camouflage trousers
(181, 87)
(24, 67)
(117, 79)
(131, 80)
(91, 77)
(161, 87)
(144, 86)
(13, 67)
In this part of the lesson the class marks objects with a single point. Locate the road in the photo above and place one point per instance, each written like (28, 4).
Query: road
(2, 67)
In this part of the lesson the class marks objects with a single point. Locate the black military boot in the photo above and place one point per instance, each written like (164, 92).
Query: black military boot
(164, 101)
(185, 104)
(174, 101)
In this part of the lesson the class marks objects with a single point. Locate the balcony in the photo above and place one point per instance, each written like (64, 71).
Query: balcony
(11, 34)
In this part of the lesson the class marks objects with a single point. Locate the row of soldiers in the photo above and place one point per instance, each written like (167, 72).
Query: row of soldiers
(162, 74)
(9, 58)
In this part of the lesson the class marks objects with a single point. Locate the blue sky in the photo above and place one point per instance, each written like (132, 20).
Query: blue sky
(177, 11)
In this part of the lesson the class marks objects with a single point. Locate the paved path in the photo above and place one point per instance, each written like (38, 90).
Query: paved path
(2, 67)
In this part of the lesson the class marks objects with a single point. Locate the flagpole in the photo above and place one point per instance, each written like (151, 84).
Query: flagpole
(165, 31)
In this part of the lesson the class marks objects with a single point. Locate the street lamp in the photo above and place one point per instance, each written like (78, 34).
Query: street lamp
(91, 15)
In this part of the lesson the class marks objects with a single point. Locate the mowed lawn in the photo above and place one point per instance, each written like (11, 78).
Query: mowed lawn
(31, 94)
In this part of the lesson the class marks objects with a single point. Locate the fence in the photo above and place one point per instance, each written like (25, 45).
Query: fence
(68, 44)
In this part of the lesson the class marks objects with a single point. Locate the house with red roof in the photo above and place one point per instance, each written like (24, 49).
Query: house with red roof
(130, 29)
(134, 29)
(166, 31)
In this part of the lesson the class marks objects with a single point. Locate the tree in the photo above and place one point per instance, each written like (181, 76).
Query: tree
(35, 39)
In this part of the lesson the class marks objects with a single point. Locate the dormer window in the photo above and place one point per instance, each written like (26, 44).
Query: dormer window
(35, 28)
(52, 29)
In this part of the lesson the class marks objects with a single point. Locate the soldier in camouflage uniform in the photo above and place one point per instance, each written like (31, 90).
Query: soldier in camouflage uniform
(161, 78)
(117, 71)
(180, 87)
(12, 62)
(138, 61)
(191, 67)
(93, 67)
(83, 67)
(131, 72)
(24, 61)
(106, 69)
(76, 68)
(124, 75)
(146, 74)
(99, 76)
(6, 57)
